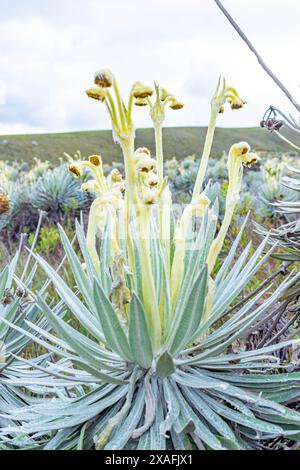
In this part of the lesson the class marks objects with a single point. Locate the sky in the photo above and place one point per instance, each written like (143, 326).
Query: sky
(50, 49)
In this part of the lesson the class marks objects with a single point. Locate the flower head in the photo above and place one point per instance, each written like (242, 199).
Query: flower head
(104, 78)
(89, 186)
(176, 104)
(149, 196)
(141, 102)
(4, 203)
(75, 169)
(95, 160)
(143, 161)
(142, 150)
(225, 94)
(141, 91)
(152, 179)
(115, 176)
(251, 159)
(96, 93)
(241, 151)
(233, 98)
(239, 154)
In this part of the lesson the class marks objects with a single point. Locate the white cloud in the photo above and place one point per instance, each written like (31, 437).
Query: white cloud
(50, 50)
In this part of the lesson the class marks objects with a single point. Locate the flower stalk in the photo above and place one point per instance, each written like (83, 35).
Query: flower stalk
(239, 155)
(144, 189)
(222, 95)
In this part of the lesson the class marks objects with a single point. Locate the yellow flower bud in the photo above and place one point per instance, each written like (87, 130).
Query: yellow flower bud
(141, 102)
(95, 160)
(104, 78)
(149, 196)
(75, 169)
(141, 91)
(115, 176)
(176, 104)
(233, 98)
(152, 179)
(251, 159)
(240, 153)
(142, 150)
(145, 163)
(239, 149)
(89, 186)
(96, 93)
(4, 203)
(143, 160)
(237, 103)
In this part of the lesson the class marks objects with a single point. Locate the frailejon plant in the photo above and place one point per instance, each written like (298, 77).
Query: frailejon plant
(156, 363)
(15, 307)
(287, 235)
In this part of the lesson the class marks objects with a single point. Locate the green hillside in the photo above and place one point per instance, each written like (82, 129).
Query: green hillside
(178, 142)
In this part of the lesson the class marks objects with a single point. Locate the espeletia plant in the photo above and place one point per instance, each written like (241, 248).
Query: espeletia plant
(155, 360)
(17, 312)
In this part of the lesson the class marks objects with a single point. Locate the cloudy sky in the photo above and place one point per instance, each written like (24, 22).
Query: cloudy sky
(50, 49)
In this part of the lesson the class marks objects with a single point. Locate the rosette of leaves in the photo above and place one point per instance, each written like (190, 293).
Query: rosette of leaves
(17, 312)
(287, 234)
(13, 309)
(58, 193)
(195, 392)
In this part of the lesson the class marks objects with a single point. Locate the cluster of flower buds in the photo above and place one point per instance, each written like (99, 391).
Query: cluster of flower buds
(109, 192)
(4, 203)
(241, 153)
(272, 124)
(103, 79)
(167, 97)
(110, 189)
(96, 93)
(233, 98)
(145, 168)
(143, 93)
(225, 94)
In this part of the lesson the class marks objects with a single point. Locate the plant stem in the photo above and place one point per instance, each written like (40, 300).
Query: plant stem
(142, 215)
(91, 235)
(287, 140)
(127, 146)
(163, 223)
(206, 152)
(120, 106)
(148, 286)
(217, 244)
(159, 151)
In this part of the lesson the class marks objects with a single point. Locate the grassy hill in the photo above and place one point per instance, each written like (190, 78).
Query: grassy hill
(178, 142)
